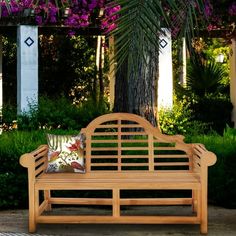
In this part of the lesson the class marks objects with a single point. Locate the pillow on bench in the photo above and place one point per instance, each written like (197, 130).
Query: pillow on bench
(65, 153)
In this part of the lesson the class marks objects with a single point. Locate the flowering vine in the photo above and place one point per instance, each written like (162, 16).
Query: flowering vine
(72, 13)
(221, 15)
(108, 22)
(77, 14)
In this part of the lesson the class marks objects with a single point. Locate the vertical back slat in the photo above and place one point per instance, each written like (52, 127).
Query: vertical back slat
(151, 152)
(119, 146)
(88, 153)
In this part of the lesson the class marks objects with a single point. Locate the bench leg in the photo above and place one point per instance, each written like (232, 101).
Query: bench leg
(116, 203)
(47, 196)
(204, 213)
(194, 201)
(32, 221)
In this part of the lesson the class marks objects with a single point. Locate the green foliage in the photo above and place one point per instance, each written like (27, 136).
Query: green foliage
(204, 77)
(9, 70)
(207, 92)
(222, 176)
(138, 27)
(177, 62)
(178, 120)
(214, 47)
(8, 116)
(213, 110)
(67, 66)
(60, 114)
(13, 177)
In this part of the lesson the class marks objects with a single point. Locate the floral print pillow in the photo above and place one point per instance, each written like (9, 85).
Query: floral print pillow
(66, 153)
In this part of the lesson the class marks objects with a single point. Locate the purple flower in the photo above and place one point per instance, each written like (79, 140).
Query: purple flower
(84, 17)
(39, 20)
(71, 33)
(53, 19)
(108, 24)
(208, 8)
(232, 9)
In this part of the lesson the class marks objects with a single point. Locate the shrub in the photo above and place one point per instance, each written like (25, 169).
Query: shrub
(204, 77)
(207, 91)
(216, 111)
(222, 176)
(8, 116)
(178, 120)
(60, 113)
(13, 177)
(197, 116)
(54, 116)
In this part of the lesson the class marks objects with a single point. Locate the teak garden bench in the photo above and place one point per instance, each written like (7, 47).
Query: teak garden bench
(124, 152)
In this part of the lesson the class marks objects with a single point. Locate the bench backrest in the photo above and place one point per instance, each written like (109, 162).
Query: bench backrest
(127, 142)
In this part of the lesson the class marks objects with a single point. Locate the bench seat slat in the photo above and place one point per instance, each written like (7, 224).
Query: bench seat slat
(187, 181)
(122, 175)
(118, 180)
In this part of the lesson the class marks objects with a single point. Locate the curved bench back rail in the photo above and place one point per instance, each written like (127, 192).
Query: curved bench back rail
(127, 142)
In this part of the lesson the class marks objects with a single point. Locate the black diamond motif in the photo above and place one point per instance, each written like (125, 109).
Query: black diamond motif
(29, 41)
(163, 43)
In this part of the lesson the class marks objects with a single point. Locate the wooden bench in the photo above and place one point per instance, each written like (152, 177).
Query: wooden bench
(124, 152)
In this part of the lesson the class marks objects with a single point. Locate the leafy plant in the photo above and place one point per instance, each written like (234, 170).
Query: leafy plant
(60, 113)
(13, 177)
(178, 120)
(204, 77)
(140, 23)
(8, 116)
(213, 48)
(213, 110)
(222, 176)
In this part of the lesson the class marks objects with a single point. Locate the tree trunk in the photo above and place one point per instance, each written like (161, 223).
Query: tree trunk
(138, 95)
(143, 90)
(121, 103)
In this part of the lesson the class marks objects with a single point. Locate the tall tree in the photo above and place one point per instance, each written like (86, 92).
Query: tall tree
(139, 26)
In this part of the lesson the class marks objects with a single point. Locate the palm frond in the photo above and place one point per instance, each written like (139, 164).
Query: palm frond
(204, 77)
(141, 22)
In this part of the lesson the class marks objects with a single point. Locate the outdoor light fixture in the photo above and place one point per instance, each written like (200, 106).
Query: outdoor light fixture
(32, 12)
(28, 12)
(66, 12)
(220, 58)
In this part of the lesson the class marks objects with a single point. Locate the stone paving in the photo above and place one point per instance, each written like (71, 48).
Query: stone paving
(222, 222)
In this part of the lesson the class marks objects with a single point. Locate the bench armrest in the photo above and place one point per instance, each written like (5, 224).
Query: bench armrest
(35, 161)
(202, 156)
